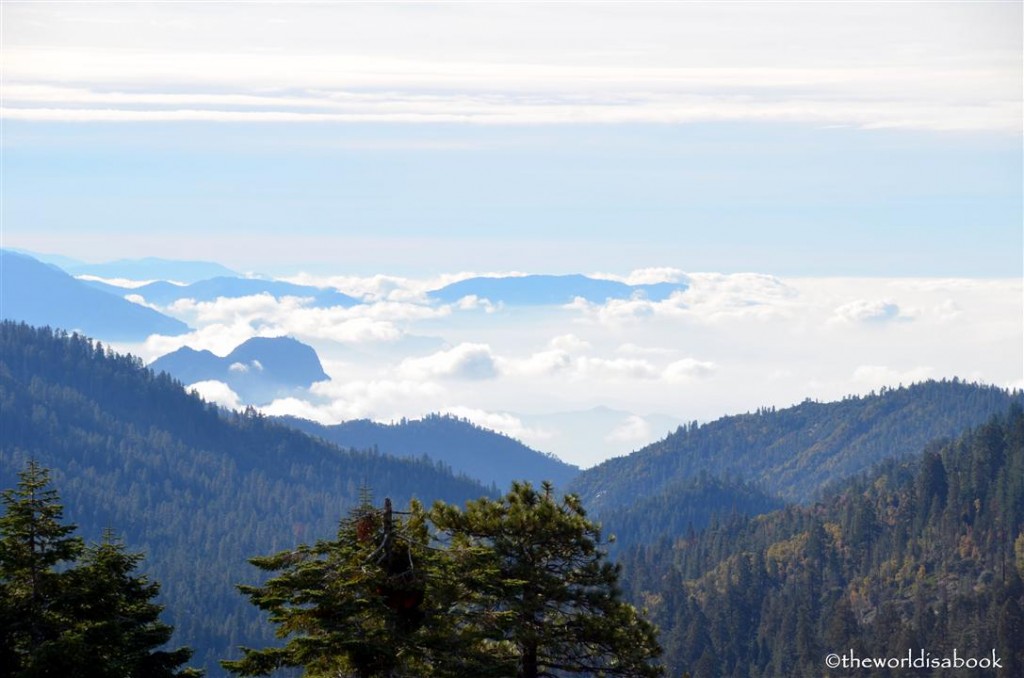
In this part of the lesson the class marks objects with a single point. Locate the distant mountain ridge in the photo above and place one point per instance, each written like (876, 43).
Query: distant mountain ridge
(477, 452)
(43, 294)
(151, 268)
(797, 451)
(258, 370)
(530, 290)
(164, 293)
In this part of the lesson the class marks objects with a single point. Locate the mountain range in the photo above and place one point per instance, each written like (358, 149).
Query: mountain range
(479, 453)
(150, 268)
(258, 370)
(42, 294)
(794, 453)
(200, 490)
(530, 290)
(163, 293)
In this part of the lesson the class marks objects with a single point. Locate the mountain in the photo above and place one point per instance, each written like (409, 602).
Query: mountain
(198, 491)
(152, 268)
(535, 290)
(258, 370)
(923, 555)
(490, 457)
(164, 293)
(796, 452)
(42, 294)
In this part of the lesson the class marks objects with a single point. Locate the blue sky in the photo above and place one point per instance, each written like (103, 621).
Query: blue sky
(850, 139)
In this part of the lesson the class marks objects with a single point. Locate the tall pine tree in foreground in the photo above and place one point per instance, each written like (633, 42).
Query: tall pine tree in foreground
(68, 610)
(512, 587)
(543, 588)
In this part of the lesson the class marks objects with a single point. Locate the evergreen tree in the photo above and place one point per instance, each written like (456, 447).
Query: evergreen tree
(116, 626)
(33, 541)
(543, 588)
(371, 602)
(69, 611)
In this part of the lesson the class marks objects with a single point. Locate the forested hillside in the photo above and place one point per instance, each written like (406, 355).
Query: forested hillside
(923, 553)
(797, 451)
(479, 453)
(196, 490)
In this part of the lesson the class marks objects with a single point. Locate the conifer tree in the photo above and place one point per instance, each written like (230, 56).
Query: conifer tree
(369, 603)
(69, 611)
(544, 592)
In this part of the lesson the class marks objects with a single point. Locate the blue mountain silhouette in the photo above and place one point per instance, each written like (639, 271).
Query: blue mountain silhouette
(42, 294)
(540, 290)
(258, 370)
(163, 293)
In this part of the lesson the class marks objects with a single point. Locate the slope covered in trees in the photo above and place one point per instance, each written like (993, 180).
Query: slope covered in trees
(926, 553)
(478, 452)
(796, 452)
(197, 491)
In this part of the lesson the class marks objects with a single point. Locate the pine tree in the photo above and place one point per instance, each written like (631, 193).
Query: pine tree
(544, 590)
(33, 542)
(117, 627)
(69, 611)
(371, 602)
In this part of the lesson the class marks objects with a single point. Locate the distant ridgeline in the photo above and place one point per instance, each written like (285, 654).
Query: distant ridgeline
(42, 294)
(258, 370)
(166, 293)
(485, 455)
(197, 491)
(922, 554)
(537, 290)
(795, 452)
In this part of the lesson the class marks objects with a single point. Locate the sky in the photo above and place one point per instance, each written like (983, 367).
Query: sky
(840, 183)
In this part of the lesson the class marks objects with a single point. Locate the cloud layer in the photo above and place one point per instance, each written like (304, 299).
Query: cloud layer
(730, 343)
(225, 64)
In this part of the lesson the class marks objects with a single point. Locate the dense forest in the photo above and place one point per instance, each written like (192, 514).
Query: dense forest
(196, 490)
(796, 452)
(925, 553)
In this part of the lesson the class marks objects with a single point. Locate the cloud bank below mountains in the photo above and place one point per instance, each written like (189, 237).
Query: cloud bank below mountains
(728, 343)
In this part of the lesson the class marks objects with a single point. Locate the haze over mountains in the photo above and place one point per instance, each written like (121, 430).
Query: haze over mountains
(200, 490)
(474, 451)
(42, 294)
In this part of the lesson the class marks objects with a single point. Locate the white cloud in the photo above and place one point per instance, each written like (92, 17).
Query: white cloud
(569, 343)
(538, 364)
(502, 422)
(634, 429)
(689, 369)
(868, 311)
(876, 376)
(243, 368)
(118, 282)
(216, 392)
(647, 276)
(709, 297)
(617, 368)
(335, 401)
(851, 64)
(465, 361)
